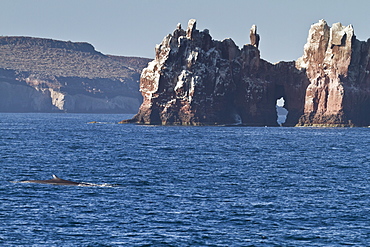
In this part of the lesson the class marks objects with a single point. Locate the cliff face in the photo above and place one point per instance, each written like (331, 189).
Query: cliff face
(196, 80)
(337, 66)
(43, 75)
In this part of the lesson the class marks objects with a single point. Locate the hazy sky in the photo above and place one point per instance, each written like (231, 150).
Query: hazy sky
(134, 27)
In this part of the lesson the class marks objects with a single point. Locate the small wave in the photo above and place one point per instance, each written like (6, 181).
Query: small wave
(97, 185)
(97, 122)
(16, 182)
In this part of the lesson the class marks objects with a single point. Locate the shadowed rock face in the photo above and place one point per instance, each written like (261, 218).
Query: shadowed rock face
(196, 80)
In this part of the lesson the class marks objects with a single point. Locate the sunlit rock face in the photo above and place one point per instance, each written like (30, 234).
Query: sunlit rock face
(195, 80)
(337, 66)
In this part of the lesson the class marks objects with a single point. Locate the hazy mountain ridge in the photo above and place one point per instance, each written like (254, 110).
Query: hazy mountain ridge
(60, 58)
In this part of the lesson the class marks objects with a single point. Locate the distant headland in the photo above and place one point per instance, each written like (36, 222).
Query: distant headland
(195, 80)
(45, 75)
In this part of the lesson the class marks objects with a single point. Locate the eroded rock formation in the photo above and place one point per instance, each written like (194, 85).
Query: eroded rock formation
(197, 80)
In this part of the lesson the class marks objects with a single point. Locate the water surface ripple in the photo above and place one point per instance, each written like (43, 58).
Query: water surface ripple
(181, 186)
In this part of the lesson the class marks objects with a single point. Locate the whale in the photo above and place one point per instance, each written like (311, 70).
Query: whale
(57, 181)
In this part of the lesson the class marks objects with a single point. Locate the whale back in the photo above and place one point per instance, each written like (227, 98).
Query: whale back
(55, 180)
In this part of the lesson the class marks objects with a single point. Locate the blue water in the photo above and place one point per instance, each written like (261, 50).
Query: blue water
(181, 186)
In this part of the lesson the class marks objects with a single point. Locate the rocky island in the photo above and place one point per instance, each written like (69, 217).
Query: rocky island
(44, 75)
(195, 80)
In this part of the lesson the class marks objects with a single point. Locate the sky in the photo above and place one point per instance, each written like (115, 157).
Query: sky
(134, 27)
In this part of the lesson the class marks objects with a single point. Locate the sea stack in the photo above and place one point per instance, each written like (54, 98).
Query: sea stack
(337, 66)
(195, 80)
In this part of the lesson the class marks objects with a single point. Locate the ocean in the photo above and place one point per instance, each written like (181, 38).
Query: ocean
(181, 186)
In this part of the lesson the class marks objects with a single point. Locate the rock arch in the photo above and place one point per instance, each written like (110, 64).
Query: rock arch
(195, 80)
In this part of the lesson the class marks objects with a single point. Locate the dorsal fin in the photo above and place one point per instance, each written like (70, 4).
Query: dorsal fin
(55, 177)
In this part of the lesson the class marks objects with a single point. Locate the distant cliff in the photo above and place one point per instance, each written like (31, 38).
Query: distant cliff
(44, 75)
(195, 80)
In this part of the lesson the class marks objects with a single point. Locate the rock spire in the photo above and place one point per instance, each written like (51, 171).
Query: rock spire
(254, 36)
